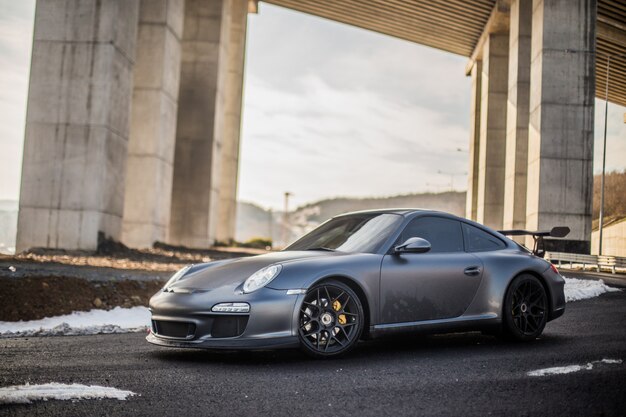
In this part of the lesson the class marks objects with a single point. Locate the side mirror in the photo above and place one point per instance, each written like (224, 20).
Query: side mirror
(414, 245)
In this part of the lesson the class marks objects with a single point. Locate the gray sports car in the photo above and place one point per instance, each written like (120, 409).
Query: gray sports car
(363, 275)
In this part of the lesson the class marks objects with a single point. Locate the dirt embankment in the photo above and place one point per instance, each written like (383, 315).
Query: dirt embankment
(39, 297)
(43, 282)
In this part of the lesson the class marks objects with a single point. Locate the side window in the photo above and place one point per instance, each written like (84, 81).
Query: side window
(443, 234)
(477, 240)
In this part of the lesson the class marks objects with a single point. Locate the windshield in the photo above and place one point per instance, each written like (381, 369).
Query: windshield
(354, 233)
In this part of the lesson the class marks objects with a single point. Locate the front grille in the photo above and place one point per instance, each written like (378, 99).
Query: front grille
(176, 329)
(228, 326)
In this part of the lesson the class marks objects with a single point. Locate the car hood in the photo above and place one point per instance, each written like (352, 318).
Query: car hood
(233, 272)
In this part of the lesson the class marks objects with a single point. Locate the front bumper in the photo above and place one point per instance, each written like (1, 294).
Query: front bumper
(238, 343)
(269, 324)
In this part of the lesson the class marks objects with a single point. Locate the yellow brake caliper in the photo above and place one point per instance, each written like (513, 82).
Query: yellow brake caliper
(342, 317)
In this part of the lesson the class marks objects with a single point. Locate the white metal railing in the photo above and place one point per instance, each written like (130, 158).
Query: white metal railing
(598, 261)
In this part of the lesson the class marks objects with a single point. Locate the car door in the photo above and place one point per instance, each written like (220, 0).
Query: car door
(438, 284)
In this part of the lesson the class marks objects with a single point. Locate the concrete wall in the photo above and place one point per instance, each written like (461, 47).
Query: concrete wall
(613, 240)
(150, 163)
(77, 123)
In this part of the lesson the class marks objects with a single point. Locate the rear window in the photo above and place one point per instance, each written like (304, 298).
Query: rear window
(477, 240)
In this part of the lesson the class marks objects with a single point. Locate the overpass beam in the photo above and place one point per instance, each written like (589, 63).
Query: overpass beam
(210, 85)
(77, 123)
(517, 115)
(494, 86)
(560, 149)
(153, 123)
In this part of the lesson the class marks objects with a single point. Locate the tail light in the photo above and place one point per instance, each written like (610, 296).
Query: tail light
(553, 267)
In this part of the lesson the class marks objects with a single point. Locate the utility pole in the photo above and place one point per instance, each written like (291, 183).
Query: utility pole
(270, 225)
(286, 219)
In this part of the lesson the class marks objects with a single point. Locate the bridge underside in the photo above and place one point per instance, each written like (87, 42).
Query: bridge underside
(134, 111)
(456, 26)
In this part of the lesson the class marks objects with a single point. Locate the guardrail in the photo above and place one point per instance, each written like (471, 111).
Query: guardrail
(599, 261)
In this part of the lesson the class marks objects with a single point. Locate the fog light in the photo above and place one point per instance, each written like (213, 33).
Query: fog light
(231, 308)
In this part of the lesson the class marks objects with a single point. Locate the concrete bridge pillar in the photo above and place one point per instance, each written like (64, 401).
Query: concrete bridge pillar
(150, 163)
(208, 118)
(560, 149)
(77, 123)
(232, 123)
(494, 86)
(517, 115)
(474, 148)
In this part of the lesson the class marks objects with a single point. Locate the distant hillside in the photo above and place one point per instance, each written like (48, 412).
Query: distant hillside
(614, 197)
(254, 221)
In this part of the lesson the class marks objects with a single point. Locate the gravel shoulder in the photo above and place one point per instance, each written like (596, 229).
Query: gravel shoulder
(43, 283)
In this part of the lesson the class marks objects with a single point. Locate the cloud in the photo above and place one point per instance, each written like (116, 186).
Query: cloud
(336, 110)
(320, 141)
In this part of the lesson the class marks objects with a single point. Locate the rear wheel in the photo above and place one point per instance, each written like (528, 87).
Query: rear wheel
(525, 308)
(331, 320)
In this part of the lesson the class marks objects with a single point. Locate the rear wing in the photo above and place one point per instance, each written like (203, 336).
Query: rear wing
(538, 248)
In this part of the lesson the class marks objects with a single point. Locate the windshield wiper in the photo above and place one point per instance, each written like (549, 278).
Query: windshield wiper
(323, 248)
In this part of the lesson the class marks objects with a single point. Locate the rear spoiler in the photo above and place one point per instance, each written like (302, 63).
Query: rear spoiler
(538, 248)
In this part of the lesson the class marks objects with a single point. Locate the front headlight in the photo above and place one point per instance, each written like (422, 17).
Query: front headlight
(178, 275)
(261, 278)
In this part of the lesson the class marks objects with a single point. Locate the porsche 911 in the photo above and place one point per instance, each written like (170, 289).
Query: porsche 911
(364, 275)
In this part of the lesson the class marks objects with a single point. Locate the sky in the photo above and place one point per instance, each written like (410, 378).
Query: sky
(329, 110)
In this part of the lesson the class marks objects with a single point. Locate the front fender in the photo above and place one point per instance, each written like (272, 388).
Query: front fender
(362, 269)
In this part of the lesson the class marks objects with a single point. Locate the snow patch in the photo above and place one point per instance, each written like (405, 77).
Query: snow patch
(26, 394)
(581, 289)
(117, 320)
(560, 370)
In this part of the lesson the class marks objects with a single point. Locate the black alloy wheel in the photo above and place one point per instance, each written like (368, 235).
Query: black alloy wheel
(331, 320)
(525, 308)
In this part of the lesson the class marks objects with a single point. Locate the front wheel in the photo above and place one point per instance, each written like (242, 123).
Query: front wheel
(330, 320)
(525, 308)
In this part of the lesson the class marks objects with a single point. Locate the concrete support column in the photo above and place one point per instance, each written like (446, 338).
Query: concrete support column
(494, 86)
(153, 124)
(77, 123)
(202, 123)
(474, 148)
(560, 149)
(517, 115)
(232, 123)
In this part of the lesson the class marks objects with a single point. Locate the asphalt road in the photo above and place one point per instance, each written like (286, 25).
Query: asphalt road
(456, 375)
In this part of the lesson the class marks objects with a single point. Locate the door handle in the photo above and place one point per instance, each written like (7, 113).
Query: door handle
(472, 271)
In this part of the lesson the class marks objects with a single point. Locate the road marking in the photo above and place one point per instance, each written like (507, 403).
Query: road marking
(560, 370)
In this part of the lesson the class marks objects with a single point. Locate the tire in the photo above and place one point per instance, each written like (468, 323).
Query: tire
(330, 321)
(525, 308)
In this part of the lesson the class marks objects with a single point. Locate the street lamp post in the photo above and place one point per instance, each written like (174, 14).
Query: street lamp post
(606, 114)
(452, 175)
